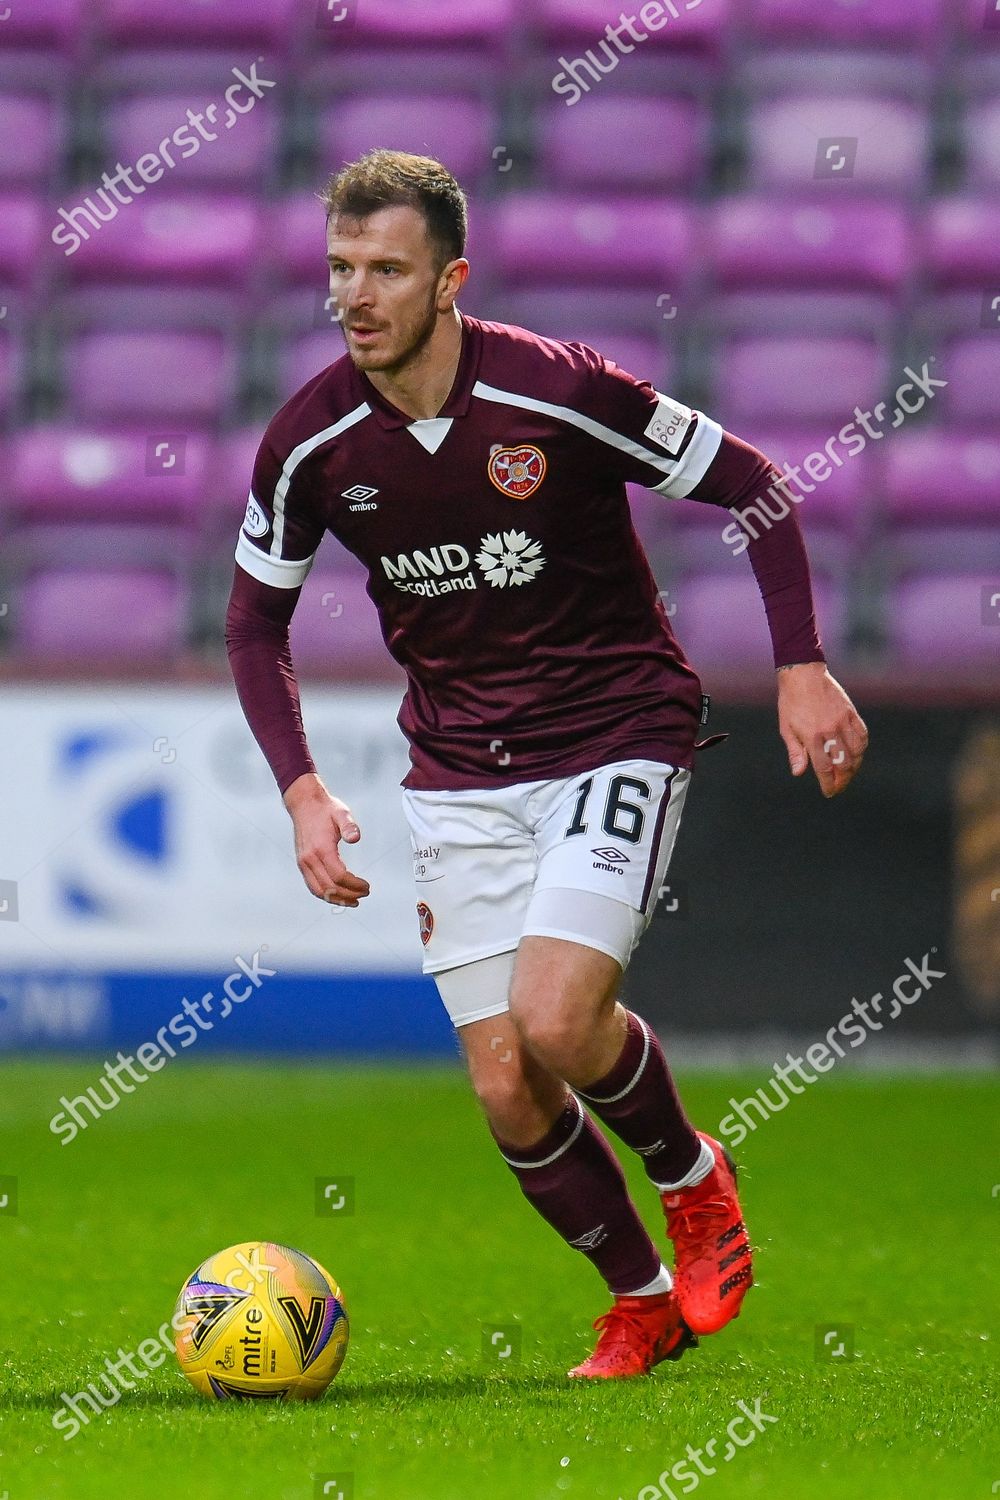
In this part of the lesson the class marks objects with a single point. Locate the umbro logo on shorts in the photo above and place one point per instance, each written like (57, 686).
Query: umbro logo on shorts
(613, 856)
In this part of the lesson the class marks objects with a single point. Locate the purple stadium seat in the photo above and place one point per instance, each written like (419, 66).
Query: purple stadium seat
(678, 23)
(30, 129)
(961, 237)
(242, 155)
(760, 242)
(199, 23)
(982, 143)
(49, 24)
(22, 237)
(66, 474)
(306, 357)
(640, 354)
(549, 237)
(207, 239)
(868, 23)
(296, 239)
(596, 147)
(154, 378)
(335, 627)
(10, 372)
(230, 472)
(458, 129)
(796, 379)
(943, 476)
(946, 622)
(720, 620)
(839, 500)
(972, 368)
(437, 23)
(100, 615)
(800, 139)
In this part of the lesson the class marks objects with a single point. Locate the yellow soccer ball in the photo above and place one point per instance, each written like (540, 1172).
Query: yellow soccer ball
(260, 1321)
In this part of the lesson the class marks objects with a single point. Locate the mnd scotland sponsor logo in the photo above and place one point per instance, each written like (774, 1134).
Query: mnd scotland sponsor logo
(506, 559)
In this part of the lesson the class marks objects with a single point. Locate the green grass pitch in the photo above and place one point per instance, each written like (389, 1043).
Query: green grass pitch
(873, 1203)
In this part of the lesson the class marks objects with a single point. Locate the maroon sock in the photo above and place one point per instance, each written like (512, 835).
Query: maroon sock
(574, 1180)
(638, 1101)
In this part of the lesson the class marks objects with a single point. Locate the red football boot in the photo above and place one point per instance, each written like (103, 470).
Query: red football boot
(637, 1334)
(713, 1269)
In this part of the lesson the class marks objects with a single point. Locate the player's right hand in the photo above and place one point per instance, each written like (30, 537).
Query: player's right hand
(320, 822)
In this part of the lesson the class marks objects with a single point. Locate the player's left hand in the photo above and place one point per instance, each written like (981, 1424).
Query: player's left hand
(819, 724)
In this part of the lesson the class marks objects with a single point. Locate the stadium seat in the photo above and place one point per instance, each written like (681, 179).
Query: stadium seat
(199, 23)
(960, 239)
(335, 629)
(596, 147)
(982, 144)
(195, 239)
(796, 379)
(459, 129)
(873, 23)
(22, 238)
(305, 357)
(141, 618)
(440, 23)
(244, 155)
(797, 141)
(160, 379)
(681, 25)
(564, 238)
(946, 623)
(720, 619)
(31, 130)
(229, 477)
(75, 475)
(943, 475)
(760, 241)
(10, 375)
(52, 25)
(972, 368)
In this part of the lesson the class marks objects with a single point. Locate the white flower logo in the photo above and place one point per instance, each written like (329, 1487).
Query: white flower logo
(510, 557)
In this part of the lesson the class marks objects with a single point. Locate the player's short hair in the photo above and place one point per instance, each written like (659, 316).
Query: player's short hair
(387, 179)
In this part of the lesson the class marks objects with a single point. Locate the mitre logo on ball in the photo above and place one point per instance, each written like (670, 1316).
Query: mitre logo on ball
(517, 472)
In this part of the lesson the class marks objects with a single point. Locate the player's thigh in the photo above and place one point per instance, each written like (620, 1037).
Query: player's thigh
(561, 987)
(474, 865)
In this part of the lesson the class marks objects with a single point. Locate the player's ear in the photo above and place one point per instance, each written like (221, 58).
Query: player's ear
(453, 277)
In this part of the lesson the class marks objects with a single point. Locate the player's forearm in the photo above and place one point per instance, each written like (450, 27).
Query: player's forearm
(261, 663)
(738, 476)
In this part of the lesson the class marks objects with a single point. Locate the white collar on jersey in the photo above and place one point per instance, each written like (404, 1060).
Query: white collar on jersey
(431, 431)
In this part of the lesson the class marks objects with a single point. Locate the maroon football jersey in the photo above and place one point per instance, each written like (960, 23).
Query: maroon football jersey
(501, 554)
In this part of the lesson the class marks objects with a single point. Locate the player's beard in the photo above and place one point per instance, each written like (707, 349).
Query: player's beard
(412, 342)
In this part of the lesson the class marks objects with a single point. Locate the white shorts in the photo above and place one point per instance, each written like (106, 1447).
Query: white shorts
(582, 858)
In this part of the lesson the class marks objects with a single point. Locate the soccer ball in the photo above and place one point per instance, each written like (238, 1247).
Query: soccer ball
(260, 1321)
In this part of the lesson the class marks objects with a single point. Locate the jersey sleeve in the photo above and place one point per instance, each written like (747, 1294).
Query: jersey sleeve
(647, 437)
(282, 528)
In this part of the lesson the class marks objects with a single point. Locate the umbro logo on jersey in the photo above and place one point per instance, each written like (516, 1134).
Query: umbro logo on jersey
(517, 472)
(360, 493)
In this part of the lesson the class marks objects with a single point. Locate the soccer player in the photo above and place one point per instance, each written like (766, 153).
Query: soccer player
(479, 472)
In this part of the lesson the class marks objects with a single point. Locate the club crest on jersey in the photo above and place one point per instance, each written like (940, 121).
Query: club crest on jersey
(517, 472)
(426, 919)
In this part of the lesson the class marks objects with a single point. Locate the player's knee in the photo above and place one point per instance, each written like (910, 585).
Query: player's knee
(552, 1035)
(509, 1101)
